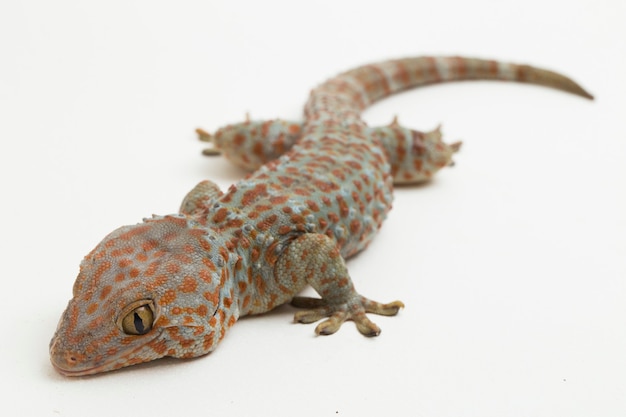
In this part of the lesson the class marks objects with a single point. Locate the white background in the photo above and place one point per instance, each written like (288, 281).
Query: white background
(511, 264)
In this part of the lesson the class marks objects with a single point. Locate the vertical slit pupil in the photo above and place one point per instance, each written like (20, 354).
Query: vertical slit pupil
(139, 324)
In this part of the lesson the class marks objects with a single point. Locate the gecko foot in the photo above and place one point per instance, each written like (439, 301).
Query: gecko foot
(205, 136)
(355, 310)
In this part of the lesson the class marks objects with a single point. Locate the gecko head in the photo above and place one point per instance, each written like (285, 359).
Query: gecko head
(146, 291)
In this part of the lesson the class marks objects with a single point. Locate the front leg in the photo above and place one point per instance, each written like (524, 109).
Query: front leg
(200, 199)
(252, 143)
(316, 260)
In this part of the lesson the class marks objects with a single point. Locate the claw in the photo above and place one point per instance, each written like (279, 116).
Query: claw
(394, 122)
(455, 146)
(211, 152)
(203, 135)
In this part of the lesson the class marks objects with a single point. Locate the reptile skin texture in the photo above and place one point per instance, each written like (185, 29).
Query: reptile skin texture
(319, 191)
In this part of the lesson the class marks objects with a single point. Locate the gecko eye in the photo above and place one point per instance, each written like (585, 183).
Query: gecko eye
(138, 318)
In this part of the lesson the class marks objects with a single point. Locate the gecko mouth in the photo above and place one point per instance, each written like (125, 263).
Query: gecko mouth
(70, 363)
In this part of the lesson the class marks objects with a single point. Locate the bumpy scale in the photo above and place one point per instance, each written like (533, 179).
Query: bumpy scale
(173, 285)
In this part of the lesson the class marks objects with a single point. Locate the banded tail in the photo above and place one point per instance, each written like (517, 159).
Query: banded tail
(354, 90)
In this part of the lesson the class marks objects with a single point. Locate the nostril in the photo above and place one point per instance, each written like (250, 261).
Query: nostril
(71, 358)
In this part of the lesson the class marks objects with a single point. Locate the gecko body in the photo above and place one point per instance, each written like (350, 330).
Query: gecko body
(173, 285)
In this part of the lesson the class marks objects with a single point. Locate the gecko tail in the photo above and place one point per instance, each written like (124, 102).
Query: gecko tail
(539, 76)
(365, 85)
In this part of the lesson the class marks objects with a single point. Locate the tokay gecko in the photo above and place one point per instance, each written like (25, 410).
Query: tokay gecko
(173, 285)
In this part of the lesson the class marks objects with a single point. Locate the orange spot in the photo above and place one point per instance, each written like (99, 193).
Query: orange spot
(159, 346)
(189, 285)
(202, 310)
(168, 297)
(205, 245)
(208, 341)
(294, 129)
(343, 206)
(239, 139)
(205, 276)
(325, 187)
(283, 230)
(262, 207)
(355, 226)
(246, 302)
(257, 149)
(252, 195)
(102, 268)
(220, 216)
(234, 223)
(224, 276)
(158, 282)
(97, 322)
(266, 223)
(209, 264)
(127, 250)
(162, 321)
(279, 199)
(172, 268)
(127, 341)
(183, 258)
(224, 254)
(105, 291)
(260, 284)
(239, 264)
(212, 297)
(151, 269)
(135, 231)
(313, 205)
(149, 245)
(286, 181)
(92, 308)
(124, 263)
